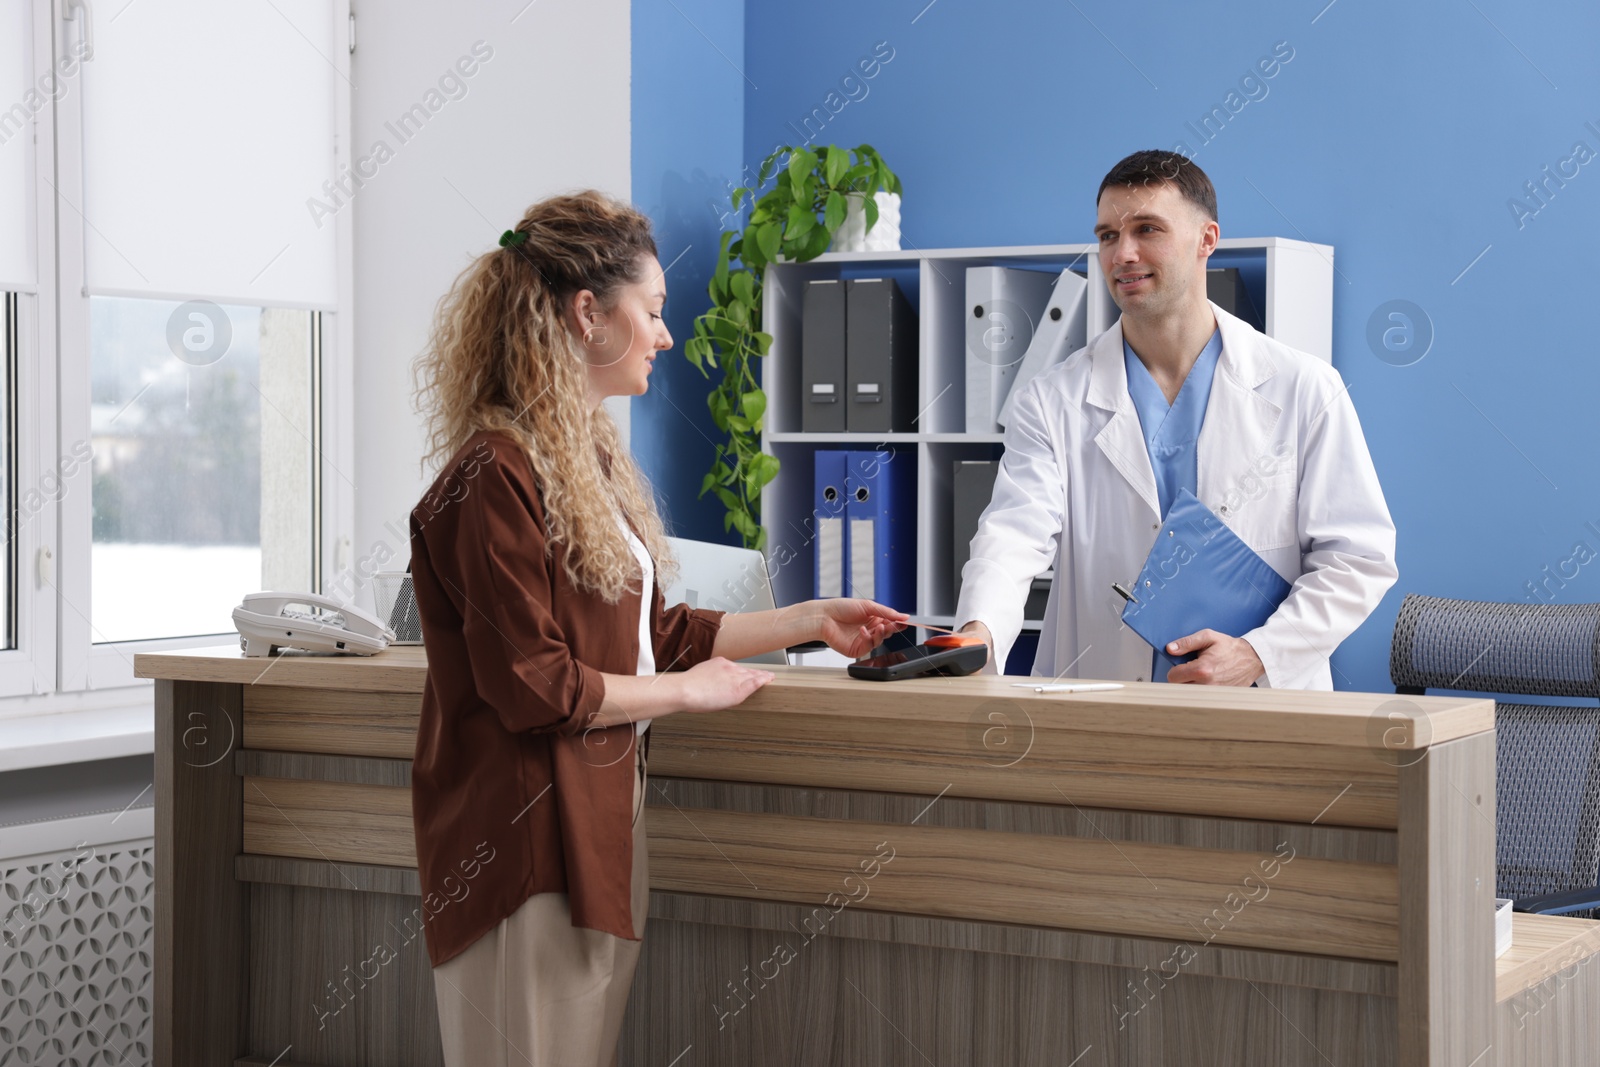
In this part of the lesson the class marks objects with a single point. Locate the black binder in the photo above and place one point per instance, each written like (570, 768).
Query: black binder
(822, 357)
(881, 358)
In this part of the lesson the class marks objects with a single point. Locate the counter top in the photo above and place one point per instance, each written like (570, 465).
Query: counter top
(1348, 720)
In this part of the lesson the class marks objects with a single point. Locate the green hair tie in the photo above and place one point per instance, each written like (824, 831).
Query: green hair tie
(512, 237)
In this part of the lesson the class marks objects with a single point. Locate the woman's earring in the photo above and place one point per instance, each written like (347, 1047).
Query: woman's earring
(595, 335)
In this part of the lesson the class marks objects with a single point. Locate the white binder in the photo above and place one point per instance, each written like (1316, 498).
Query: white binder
(1005, 308)
(1063, 330)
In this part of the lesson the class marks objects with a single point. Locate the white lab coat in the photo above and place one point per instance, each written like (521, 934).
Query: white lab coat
(1281, 459)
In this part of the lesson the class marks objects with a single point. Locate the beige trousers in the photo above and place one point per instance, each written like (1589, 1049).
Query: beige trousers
(537, 991)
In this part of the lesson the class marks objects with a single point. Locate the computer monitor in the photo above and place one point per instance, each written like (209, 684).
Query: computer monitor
(722, 578)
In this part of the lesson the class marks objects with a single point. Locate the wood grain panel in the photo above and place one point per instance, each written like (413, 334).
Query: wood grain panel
(1367, 977)
(1542, 946)
(717, 997)
(341, 722)
(1342, 719)
(357, 770)
(1238, 779)
(331, 821)
(1447, 969)
(341, 978)
(200, 991)
(1058, 819)
(397, 669)
(1554, 1022)
(1195, 895)
(319, 874)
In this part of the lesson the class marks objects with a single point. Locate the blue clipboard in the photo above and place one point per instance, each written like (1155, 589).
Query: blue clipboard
(1199, 576)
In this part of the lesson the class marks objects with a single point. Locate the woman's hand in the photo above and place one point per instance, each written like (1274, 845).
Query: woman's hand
(854, 626)
(716, 683)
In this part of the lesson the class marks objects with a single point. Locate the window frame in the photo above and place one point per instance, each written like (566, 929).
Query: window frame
(79, 663)
(30, 666)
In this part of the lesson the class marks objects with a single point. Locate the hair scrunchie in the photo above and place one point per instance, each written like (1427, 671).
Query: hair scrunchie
(512, 237)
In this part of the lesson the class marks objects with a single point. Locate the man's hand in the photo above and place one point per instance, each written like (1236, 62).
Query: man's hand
(1223, 660)
(976, 627)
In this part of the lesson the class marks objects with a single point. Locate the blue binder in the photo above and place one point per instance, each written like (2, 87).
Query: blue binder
(832, 536)
(1200, 575)
(881, 509)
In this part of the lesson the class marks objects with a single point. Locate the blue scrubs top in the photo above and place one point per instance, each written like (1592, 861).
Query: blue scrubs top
(1172, 435)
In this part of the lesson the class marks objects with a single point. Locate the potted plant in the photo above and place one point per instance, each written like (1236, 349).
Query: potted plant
(793, 221)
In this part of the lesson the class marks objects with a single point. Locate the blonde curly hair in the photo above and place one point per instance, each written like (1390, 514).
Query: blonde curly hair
(502, 357)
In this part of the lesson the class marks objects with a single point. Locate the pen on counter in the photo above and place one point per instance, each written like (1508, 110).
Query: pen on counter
(1068, 687)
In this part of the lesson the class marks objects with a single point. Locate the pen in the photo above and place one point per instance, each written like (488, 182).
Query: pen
(1067, 687)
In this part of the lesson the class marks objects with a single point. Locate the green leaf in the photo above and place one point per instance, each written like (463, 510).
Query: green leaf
(769, 165)
(856, 177)
(838, 162)
(800, 222)
(738, 197)
(763, 342)
(870, 206)
(739, 423)
(739, 314)
(708, 482)
(833, 214)
(694, 352)
(754, 405)
(801, 164)
(729, 501)
(744, 287)
(816, 242)
(768, 238)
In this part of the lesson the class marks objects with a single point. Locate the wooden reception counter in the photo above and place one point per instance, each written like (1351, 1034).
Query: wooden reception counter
(946, 871)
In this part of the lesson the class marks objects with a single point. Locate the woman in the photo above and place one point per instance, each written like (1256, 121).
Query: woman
(535, 557)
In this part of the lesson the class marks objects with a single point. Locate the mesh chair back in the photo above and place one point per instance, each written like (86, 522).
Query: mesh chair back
(1547, 759)
(1547, 799)
(1543, 649)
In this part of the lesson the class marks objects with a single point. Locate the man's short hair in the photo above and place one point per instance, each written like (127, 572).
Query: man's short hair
(1153, 166)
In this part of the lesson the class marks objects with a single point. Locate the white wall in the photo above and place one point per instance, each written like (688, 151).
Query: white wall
(547, 112)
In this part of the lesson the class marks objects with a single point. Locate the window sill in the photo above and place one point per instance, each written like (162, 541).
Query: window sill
(72, 736)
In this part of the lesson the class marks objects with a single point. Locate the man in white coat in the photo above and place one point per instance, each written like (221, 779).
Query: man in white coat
(1177, 394)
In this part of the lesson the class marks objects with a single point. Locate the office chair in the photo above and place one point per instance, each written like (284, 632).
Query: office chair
(1547, 757)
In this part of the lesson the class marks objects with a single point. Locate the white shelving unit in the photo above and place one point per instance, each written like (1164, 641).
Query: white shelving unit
(1290, 281)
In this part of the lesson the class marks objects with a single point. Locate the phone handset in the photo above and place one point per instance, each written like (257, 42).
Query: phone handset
(268, 621)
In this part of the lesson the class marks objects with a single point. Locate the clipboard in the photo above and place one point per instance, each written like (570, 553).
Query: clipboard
(1199, 575)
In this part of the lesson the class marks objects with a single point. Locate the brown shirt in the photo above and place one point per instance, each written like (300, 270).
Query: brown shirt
(512, 792)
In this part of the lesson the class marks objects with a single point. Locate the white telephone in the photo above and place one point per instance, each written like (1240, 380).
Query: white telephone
(269, 621)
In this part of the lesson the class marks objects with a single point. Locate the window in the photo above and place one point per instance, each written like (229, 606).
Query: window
(14, 516)
(170, 312)
(202, 431)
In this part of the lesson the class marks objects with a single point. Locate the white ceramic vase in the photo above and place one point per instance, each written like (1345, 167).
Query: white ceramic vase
(853, 235)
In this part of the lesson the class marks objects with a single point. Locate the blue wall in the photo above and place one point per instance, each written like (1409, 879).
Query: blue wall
(1399, 135)
(688, 138)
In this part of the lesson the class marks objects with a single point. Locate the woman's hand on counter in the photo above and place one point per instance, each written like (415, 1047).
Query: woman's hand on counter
(854, 626)
(717, 683)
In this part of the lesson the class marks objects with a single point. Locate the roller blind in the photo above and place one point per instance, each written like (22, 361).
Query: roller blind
(21, 101)
(207, 130)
